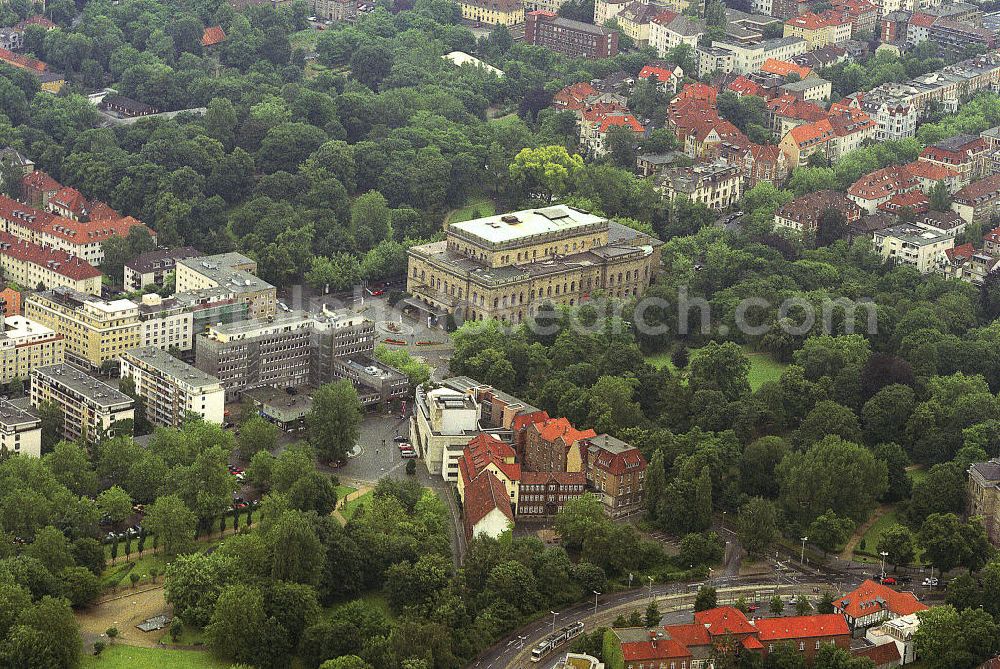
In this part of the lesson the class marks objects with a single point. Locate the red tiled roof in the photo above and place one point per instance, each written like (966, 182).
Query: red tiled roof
(886, 654)
(690, 635)
(807, 209)
(22, 61)
(664, 18)
(697, 91)
(598, 111)
(620, 121)
(574, 97)
(789, 106)
(76, 232)
(954, 154)
(661, 73)
(752, 643)
(213, 35)
(618, 463)
(809, 21)
(724, 620)
(40, 181)
(923, 169)
(70, 199)
(743, 86)
(870, 597)
(802, 627)
(522, 421)
(783, 68)
(883, 183)
(812, 133)
(60, 262)
(661, 649)
(482, 495)
(960, 253)
(922, 20)
(485, 450)
(561, 428)
(913, 199)
(978, 189)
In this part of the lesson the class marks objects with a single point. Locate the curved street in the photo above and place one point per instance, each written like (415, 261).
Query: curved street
(675, 601)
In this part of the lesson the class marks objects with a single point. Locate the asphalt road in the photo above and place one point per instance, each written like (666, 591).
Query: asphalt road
(674, 599)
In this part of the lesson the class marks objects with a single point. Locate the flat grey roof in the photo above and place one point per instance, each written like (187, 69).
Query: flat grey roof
(12, 416)
(526, 223)
(83, 384)
(804, 84)
(167, 364)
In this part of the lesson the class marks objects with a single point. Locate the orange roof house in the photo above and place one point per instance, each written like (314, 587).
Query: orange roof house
(783, 68)
(575, 96)
(873, 602)
(486, 507)
(213, 35)
(22, 61)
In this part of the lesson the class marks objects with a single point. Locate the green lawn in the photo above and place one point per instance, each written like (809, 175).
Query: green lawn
(763, 367)
(916, 475)
(189, 636)
(129, 657)
(873, 534)
(481, 204)
(349, 508)
(118, 573)
(305, 39)
(344, 490)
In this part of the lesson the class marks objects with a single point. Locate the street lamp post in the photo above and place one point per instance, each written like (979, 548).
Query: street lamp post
(554, 614)
(884, 554)
(630, 580)
(802, 556)
(596, 594)
(650, 587)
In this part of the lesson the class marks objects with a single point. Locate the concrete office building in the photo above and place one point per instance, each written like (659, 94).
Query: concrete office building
(91, 408)
(20, 432)
(295, 349)
(172, 389)
(275, 352)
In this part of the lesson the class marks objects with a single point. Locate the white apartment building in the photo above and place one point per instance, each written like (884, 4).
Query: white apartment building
(915, 246)
(166, 323)
(750, 57)
(172, 389)
(25, 345)
(667, 31)
(20, 432)
(91, 408)
(895, 121)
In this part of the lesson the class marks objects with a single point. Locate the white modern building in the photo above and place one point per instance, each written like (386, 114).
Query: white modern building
(443, 422)
(171, 389)
(20, 432)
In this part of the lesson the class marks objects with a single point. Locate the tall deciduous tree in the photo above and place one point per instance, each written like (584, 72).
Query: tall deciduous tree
(335, 420)
(172, 522)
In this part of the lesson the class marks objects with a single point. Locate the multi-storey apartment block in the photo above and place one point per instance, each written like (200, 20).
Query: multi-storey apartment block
(92, 410)
(96, 331)
(172, 389)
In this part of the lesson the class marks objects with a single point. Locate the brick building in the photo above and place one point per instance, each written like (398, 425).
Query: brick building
(573, 38)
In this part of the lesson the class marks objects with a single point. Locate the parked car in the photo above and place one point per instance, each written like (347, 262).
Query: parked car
(405, 445)
(753, 607)
(400, 439)
(409, 455)
(888, 580)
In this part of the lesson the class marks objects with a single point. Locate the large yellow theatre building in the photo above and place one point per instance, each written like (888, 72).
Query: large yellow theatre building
(503, 267)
